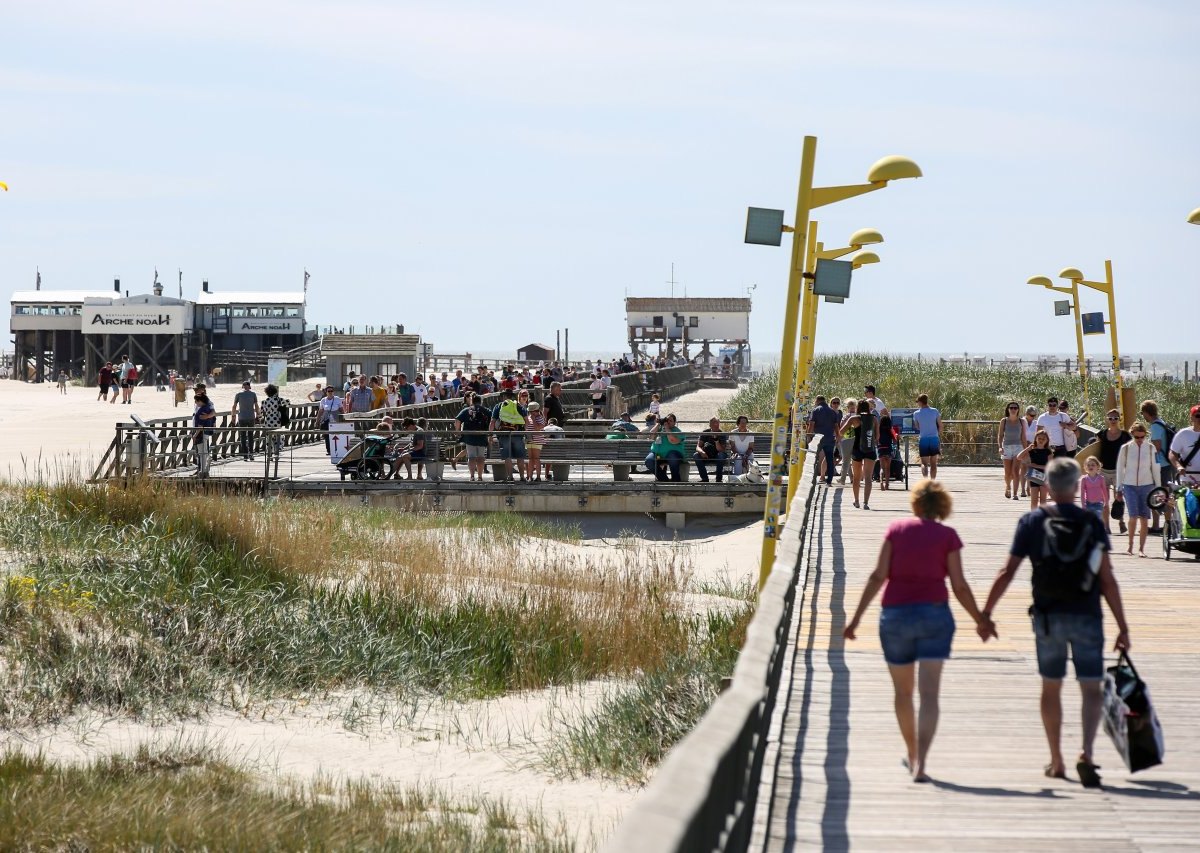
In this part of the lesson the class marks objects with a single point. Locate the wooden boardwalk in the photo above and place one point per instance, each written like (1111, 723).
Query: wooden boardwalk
(839, 784)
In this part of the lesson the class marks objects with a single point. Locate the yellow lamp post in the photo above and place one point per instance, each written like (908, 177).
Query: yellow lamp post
(808, 335)
(1106, 287)
(808, 198)
(1073, 292)
(1194, 217)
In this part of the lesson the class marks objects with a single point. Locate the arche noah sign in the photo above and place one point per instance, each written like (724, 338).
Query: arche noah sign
(140, 319)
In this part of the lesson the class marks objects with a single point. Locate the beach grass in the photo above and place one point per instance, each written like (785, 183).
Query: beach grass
(142, 601)
(188, 799)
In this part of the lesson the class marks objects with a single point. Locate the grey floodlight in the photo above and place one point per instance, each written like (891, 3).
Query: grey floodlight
(1062, 307)
(764, 227)
(832, 278)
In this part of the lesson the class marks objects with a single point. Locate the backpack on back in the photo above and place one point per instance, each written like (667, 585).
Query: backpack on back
(285, 415)
(478, 419)
(1168, 437)
(1069, 561)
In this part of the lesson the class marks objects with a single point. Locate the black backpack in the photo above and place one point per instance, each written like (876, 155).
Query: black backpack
(1168, 437)
(285, 415)
(1069, 561)
(478, 419)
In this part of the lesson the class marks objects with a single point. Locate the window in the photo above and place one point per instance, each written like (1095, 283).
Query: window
(222, 312)
(658, 319)
(277, 311)
(693, 322)
(293, 312)
(680, 320)
(351, 367)
(387, 369)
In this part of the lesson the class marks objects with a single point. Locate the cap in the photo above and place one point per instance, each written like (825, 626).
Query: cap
(533, 407)
(625, 415)
(1195, 410)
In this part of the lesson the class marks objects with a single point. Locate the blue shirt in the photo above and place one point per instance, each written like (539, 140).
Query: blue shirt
(926, 420)
(1158, 433)
(825, 422)
(205, 416)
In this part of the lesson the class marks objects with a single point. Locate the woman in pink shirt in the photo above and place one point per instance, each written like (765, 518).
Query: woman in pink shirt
(915, 625)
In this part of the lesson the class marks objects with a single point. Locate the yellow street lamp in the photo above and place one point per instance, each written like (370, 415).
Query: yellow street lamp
(1194, 217)
(808, 198)
(1106, 287)
(808, 335)
(1073, 292)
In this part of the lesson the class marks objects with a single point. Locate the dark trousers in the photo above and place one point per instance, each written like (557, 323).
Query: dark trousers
(702, 463)
(662, 465)
(246, 438)
(826, 450)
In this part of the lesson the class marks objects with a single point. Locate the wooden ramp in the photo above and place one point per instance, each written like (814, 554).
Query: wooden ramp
(838, 783)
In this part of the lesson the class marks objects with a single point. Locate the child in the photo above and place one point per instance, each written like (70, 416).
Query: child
(1093, 489)
(655, 404)
(1036, 455)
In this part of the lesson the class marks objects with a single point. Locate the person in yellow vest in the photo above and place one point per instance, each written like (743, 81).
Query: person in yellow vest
(508, 423)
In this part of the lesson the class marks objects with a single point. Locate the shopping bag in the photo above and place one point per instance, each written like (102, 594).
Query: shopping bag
(1129, 717)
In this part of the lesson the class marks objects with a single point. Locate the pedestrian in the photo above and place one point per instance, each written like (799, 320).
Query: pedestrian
(1070, 433)
(245, 412)
(1010, 436)
(105, 380)
(508, 423)
(1031, 428)
(62, 382)
(1137, 473)
(1111, 439)
(329, 412)
(877, 404)
(741, 446)
(317, 394)
(597, 389)
(1054, 422)
(846, 438)
(712, 446)
(886, 441)
(825, 421)
(204, 420)
(1161, 435)
(472, 423)
(1036, 457)
(929, 436)
(1071, 571)
(1185, 451)
(863, 450)
(272, 415)
(916, 627)
(554, 405)
(655, 404)
(535, 438)
(1093, 490)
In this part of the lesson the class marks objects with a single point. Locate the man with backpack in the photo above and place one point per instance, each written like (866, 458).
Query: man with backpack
(1161, 436)
(1069, 549)
(473, 422)
(1185, 451)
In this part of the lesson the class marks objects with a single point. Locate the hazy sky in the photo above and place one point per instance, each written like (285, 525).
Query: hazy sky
(487, 173)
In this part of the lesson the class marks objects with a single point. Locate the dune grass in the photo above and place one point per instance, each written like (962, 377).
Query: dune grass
(189, 800)
(142, 601)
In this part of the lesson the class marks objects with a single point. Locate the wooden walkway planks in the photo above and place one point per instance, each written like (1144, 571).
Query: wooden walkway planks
(839, 784)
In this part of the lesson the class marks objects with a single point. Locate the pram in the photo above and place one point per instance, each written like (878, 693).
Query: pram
(1181, 533)
(369, 459)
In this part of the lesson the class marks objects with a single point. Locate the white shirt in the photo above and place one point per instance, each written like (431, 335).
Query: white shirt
(879, 404)
(1031, 428)
(418, 393)
(1183, 443)
(1136, 465)
(1052, 424)
(597, 388)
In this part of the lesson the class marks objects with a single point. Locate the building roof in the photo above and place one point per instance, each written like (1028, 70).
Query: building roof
(252, 297)
(536, 346)
(719, 305)
(61, 297)
(354, 344)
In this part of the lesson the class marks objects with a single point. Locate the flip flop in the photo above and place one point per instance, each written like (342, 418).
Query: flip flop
(1088, 777)
(1048, 771)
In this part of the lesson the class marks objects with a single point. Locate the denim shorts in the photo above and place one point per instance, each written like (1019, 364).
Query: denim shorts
(1083, 632)
(1135, 500)
(512, 444)
(913, 632)
(1096, 508)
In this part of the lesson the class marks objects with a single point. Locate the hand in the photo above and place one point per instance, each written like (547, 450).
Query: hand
(986, 628)
(849, 632)
(1122, 643)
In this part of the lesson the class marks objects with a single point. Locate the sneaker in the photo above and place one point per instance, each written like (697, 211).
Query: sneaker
(1155, 531)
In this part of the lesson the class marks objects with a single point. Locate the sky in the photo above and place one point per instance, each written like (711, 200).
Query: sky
(487, 174)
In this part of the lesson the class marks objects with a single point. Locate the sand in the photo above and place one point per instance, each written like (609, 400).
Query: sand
(477, 748)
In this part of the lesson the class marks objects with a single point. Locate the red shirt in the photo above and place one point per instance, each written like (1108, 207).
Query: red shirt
(917, 574)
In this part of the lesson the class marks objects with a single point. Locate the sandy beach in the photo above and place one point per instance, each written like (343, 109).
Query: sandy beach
(488, 748)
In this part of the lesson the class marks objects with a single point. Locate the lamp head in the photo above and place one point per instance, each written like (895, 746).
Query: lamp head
(1194, 217)
(893, 168)
(1072, 274)
(1040, 281)
(863, 258)
(865, 237)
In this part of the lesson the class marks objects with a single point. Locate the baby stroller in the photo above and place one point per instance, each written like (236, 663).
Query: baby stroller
(1180, 505)
(369, 459)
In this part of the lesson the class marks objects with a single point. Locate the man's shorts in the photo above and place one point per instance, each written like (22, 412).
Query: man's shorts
(512, 445)
(929, 446)
(1083, 632)
(913, 632)
(476, 451)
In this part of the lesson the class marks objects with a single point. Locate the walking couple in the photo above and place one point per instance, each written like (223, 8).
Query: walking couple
(1068, 548)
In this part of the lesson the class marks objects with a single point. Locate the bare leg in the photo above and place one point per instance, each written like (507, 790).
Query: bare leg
(902, 681)
(1133, 523)
(1093, 708)
(856, 472)
(868, 469)
(1142, 537)
(1052, 722)
(933, 467)
(929, 683)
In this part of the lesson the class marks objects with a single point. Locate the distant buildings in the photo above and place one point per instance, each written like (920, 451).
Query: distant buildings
(690, 327)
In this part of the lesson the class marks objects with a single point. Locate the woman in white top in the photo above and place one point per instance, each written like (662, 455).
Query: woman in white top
(1136, 475)
(741, 441)
(1031, 428)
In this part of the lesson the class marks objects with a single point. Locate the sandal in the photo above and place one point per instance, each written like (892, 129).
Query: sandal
(1049, 773)
(1088, 777)
(1007, 494)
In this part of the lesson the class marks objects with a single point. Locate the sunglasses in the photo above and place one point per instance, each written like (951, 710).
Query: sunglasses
(1113, 418)
(1013, 408)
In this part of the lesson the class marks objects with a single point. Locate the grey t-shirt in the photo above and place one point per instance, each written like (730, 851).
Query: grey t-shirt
(245, 402)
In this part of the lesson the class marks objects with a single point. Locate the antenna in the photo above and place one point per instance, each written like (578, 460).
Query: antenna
(672, 280)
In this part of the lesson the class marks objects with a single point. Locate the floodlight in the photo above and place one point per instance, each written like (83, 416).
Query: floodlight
(832, 278)
(1062, 307)
(1093, 324)
(764, 226)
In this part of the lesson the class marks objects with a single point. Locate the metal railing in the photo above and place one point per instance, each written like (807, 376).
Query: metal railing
(703, 797)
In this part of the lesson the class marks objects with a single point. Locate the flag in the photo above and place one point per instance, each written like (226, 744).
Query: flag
(181, 284)
(156, 276)
(39, 279)
(306, 282)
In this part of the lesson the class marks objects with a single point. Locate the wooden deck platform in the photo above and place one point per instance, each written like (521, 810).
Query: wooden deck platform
(838, 783)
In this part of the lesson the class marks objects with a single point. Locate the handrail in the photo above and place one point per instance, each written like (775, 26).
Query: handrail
(704, 795)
